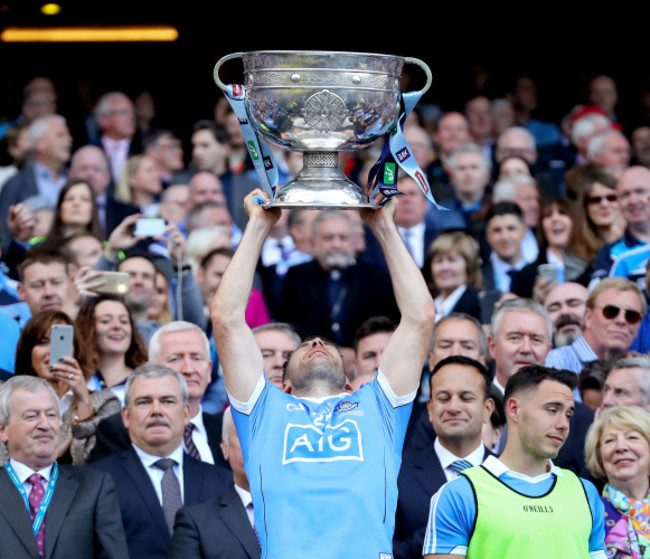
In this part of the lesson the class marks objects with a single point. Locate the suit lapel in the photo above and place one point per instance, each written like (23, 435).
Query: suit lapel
(428, 471)
(134, 469)
(15, 513)
(66, 487)
(213, 423)
(234, 516)
(191, 482)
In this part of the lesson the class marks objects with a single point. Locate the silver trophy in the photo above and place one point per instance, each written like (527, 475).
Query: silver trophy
(321, 103)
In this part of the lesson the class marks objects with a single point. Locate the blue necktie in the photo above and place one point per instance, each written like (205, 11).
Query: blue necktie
(459, 465)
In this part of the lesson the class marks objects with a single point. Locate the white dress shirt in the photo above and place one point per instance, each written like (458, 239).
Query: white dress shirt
(475, 458)
(23, 472)
(200, 437)
(156, 474)
(414, 240)
(444, 306)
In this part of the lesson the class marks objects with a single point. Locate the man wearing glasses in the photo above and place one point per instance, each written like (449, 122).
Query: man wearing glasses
(613, 314)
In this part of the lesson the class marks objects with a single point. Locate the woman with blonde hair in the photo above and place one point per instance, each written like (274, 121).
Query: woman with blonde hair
(454, 269)
(617, 449)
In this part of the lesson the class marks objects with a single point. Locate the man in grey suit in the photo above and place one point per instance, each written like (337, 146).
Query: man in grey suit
(223, 527)
(49, 511)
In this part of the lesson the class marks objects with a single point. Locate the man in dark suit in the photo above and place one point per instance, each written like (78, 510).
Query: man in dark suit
(418, 223)
(454, 334)
(504, 230)
(332, 295)
(223, 527)
(183, 346)
(155, 478)
(458, 408)
(82, 518)
(50, 141)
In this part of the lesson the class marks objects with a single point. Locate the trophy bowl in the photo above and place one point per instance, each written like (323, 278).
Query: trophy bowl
(321, 103)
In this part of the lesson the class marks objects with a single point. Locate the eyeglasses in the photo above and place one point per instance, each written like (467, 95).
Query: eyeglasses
(612, 311)
(598, 199)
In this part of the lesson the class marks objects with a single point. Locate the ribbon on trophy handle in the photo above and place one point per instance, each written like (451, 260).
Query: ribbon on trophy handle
(258, 149)
(397, 152)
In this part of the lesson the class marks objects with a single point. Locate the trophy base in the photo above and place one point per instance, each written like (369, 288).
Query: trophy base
(321, 185)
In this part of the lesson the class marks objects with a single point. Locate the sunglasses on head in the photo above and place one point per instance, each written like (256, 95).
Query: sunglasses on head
(598, 199)
(612, 311)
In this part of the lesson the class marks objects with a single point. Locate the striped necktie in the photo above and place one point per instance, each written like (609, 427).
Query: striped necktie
(190, 447)
(459, 465)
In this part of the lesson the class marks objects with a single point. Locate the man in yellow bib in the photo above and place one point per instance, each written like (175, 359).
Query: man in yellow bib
(521, 504)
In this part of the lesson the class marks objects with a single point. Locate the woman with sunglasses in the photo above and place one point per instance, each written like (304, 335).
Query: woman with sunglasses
(598, 219)
(613, 314)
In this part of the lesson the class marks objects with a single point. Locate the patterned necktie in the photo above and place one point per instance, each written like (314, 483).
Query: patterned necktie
(171, 491)
(35, 498)
(459, 465)
(190, 447)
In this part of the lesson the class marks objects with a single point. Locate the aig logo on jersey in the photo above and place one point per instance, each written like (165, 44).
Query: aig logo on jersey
(307, 443)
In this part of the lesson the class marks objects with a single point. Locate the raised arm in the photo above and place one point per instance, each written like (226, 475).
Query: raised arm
(238, 352)
(404, 355)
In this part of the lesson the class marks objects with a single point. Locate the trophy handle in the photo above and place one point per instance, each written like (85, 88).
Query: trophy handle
(225, 59)
(417, 62)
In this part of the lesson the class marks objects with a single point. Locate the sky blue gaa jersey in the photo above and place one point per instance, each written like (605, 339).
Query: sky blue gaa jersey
(323, 473)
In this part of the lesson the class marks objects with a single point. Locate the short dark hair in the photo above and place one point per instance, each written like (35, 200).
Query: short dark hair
(285, 367)
(41, 254)
(466, 362)
(153, 137)
(531, 376)
(221, 251)
(374, 325)
(219, 133)
(504, 208)
(136, 254)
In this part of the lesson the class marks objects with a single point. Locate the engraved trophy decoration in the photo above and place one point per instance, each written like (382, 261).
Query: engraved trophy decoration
(318, 103)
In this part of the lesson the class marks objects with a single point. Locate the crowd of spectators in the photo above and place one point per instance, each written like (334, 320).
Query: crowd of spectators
(540, 255)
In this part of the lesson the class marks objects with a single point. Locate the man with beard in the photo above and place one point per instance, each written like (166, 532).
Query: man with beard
(334, 294)
(319, 459)
(565, 304)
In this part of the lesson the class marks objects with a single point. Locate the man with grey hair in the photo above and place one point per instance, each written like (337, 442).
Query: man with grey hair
(331, 295)
(613, 314)
(58, 522)
(154, 478)
(587, 124)
(222, 527)
(115, 115)
(516, 141)
(50, 141)
(184, 347)
(520, 334)
(609, 149)
(627, 383)
(470, 174)
(276, 340)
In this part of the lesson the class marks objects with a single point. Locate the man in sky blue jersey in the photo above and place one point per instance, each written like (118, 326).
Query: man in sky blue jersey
(521, 504)
(320, 460)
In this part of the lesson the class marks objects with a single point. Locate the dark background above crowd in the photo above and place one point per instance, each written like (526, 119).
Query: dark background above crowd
(470, 51)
